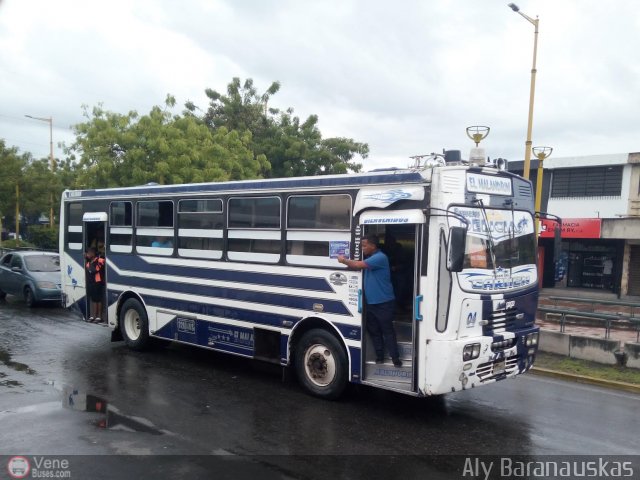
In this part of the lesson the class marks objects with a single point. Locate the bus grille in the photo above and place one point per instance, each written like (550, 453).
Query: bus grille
(502, 321)
(497, 368)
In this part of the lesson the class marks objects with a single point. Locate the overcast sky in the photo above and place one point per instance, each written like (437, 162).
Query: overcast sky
(406, 77)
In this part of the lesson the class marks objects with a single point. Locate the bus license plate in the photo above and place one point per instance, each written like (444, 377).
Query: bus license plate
(499, 367)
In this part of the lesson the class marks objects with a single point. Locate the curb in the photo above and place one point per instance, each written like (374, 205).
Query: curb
(627, 387)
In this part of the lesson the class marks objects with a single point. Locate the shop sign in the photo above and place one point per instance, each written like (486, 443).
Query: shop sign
(572, 228)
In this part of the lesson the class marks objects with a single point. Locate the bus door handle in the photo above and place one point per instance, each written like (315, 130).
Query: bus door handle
(417, 308)
(359, 300)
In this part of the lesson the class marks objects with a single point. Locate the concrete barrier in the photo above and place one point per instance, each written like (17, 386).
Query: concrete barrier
(554, 342)
(633, 354)
(595, 349)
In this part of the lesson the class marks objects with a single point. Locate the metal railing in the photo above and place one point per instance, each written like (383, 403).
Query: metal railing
(607, 318)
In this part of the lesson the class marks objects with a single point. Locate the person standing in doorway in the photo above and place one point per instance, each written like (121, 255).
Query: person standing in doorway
(95, 284)
(379, 298)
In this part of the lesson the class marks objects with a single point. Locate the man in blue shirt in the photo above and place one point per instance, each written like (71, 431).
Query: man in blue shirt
(379, 298)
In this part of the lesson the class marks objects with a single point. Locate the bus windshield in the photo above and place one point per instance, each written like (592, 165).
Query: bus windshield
(500, 251)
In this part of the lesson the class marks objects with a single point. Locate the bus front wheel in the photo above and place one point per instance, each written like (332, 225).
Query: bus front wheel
(321, 364)
(134, 325)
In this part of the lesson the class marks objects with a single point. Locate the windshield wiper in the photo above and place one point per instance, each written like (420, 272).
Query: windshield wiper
(489, 235)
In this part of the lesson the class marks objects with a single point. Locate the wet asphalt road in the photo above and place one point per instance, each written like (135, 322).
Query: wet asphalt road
(184, 401)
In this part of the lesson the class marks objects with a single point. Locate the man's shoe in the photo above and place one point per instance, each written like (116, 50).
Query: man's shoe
(397, 362)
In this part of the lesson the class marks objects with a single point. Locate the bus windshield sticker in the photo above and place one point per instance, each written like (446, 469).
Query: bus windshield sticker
(488, 184)
(501, 223)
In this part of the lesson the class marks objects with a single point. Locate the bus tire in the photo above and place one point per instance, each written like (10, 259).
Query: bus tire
(321, 364)
(134, 325)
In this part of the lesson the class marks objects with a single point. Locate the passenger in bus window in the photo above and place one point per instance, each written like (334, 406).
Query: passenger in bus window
(95, 284)
(379, 298)
(162, 242)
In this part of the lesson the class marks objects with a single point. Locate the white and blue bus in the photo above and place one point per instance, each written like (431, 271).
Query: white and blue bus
(250, 268)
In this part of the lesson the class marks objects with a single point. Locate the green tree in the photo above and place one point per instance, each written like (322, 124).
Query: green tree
(38, 188)
(13, 167)
(298, 149)
(292, 147)
(112, 149)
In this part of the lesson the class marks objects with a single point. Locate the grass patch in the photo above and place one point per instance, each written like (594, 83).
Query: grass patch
(587, 369)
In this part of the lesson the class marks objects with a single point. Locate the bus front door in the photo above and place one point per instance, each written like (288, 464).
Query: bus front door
(95, 230)
(399, 242)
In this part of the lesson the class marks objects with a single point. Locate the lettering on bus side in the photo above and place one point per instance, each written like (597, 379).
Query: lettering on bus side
(385, 220)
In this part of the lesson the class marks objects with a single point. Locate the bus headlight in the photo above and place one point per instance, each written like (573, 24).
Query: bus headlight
(532, 339)
(470, 351)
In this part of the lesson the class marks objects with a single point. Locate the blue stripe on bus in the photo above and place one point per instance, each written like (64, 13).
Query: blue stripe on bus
(272, 185)
(218, 336)
(265, 299)
(259, 318)
(135, 263)
(231, 313)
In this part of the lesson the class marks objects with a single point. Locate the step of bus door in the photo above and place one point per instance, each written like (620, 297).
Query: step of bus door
(388, 373)
(406, 351)
(404, 331)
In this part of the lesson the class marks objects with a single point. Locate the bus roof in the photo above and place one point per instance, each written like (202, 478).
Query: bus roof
(328, 181)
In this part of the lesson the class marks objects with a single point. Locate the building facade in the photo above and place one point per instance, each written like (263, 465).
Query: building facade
(598, 199)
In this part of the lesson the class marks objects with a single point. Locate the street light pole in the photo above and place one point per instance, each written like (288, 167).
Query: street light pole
(51, 160)
(541, 154)
(527, 152)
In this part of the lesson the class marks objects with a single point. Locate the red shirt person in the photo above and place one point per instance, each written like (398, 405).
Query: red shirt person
(94, 269)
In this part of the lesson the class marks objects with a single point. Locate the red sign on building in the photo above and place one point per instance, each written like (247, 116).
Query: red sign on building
(572, 228)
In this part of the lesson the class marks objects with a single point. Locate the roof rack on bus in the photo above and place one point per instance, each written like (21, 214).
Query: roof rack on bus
(454, 158)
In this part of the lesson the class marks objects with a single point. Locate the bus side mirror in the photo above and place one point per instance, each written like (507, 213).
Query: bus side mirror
(457, 243)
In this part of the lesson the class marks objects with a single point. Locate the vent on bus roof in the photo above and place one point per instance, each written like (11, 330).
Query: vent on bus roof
(452, 183)
(524, 189)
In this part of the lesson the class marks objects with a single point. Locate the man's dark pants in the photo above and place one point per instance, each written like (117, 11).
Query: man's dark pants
(380, 327)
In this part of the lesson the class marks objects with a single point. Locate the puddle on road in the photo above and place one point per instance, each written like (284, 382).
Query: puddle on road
(111, 418)
(10, 383)
(5, 357)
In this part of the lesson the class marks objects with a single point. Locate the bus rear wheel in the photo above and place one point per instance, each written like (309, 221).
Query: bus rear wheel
(134, 325)
(321, 364)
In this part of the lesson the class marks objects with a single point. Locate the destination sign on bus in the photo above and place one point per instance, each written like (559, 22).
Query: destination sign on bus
(490, 184)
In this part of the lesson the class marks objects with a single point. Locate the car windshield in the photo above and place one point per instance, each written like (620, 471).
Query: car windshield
(43, 263)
